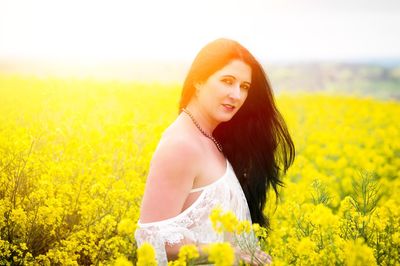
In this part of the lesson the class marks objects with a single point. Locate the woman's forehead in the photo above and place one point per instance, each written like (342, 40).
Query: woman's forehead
(236, 68)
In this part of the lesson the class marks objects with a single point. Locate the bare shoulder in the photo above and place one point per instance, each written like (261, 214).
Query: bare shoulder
(174, 166)
(176, 151)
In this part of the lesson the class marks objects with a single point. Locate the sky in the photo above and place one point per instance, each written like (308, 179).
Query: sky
(288, 30)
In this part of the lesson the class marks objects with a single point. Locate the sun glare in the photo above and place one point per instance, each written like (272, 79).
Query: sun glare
(101, 30)
(96, 31)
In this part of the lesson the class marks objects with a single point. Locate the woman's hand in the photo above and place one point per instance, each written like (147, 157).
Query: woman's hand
(259, 257)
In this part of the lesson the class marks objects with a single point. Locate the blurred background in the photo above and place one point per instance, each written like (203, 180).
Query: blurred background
(342, 46)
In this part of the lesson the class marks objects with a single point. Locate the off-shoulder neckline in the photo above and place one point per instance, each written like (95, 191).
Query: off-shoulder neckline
(214, 182)
(193, 205)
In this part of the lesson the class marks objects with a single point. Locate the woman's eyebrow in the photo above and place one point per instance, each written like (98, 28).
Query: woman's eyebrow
(230, 76)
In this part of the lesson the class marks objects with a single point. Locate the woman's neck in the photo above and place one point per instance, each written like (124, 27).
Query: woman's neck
(202, 118)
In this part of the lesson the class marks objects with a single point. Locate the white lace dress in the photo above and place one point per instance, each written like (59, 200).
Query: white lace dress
(194, 223)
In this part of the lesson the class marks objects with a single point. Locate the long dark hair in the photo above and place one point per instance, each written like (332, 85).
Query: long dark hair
(256, 140)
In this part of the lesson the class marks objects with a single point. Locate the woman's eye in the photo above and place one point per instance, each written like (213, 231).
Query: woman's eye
(245, 86)
(227, 81)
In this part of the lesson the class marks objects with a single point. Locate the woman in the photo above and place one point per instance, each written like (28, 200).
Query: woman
(226, 148)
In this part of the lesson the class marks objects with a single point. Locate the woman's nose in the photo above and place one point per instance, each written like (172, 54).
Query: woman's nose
(235, 92)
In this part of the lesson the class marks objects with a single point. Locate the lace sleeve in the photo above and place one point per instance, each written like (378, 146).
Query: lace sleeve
(158, 234)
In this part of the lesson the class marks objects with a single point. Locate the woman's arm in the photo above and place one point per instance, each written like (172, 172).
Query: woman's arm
(173, 250)
(258, 257)
(174, 166)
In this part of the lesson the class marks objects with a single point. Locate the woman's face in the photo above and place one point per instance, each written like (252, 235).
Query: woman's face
(225, 91)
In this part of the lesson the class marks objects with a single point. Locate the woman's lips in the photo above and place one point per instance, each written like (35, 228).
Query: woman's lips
(228, 107)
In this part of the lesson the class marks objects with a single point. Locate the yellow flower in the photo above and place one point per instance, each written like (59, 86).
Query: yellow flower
(222, 254)
(126, 227)
(177, 263)
(323, 217)
(229, 221)
(188, 252)
(223, 221)
(122, 261)
(146, 255)
(358, 253)
(259, 231)
(305, 246)
(214, 217)
(396, 238)
(243, 226)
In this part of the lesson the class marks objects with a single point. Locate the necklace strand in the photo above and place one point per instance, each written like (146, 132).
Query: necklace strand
(202, 131)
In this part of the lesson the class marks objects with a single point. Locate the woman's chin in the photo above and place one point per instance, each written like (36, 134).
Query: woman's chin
(225, 117)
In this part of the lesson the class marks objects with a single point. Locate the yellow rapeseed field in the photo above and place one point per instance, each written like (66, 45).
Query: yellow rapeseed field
(74, 156)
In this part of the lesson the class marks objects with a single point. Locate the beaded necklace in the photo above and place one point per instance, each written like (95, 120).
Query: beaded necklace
(202, 131)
